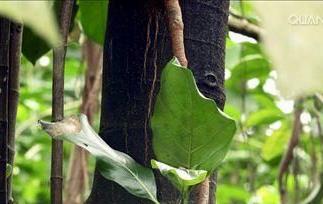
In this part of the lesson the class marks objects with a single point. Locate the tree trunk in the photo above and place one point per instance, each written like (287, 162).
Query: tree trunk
(137, 46)
(4, 84)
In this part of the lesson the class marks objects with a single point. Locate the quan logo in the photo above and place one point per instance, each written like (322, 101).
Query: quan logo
(305, 20)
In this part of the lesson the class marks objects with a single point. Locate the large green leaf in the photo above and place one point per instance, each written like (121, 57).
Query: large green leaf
(188, 129)
(112, 164)
(37, 15)
(93, 16)
(181, 178)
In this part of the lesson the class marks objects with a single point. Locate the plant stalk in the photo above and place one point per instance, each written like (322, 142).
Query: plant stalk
(15, 53)
(58, 101)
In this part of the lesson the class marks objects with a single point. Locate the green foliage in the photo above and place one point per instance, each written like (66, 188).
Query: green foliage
(249, 67)
(93, 17)
(112, 164)
(181, 178)
(195, 132)
(275, 144)
(232, 194)
(264, 117)
(266, 195)
(250, 171)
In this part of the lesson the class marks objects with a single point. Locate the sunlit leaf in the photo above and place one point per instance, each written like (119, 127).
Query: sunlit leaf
(231, 194)
(275, 144)
(250, 66)
(112, 164)
(264, 116)
(265, 195)
(38, 15)
(188, 129)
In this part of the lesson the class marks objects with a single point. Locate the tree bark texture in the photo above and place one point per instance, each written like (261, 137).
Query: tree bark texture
(4, 85)
(137, 47)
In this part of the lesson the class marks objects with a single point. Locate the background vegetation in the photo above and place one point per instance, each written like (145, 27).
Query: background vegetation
(265, 120)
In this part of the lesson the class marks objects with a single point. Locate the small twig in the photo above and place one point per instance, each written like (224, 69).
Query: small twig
(244, 27)
(58, 102)
(176, 30)
(288, 156)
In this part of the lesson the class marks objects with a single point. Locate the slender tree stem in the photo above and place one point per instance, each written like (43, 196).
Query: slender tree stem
(58, 102)
(15, 52)
(288, 156)
(4, 78)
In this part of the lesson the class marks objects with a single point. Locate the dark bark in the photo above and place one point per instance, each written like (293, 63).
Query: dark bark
(4, 84)
(15, 51)
(58, 102)
(137, 46)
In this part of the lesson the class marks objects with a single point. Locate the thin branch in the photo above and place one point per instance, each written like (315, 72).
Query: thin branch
(176, 30)
(58, 102)
(4, 77)
(288, 156)
(242, 26)
(15, 53)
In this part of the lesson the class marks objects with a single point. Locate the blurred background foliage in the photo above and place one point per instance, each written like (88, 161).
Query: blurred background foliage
(249, 173)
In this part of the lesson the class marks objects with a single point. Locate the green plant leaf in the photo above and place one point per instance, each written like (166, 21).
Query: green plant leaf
(266, 194)
(33, 46)
(188, 129)
(37, 15)
(93, 17)
(250, 66)
(275, 144)
(181, 178)
(232, 193)
(264, 116)
(112, 164)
